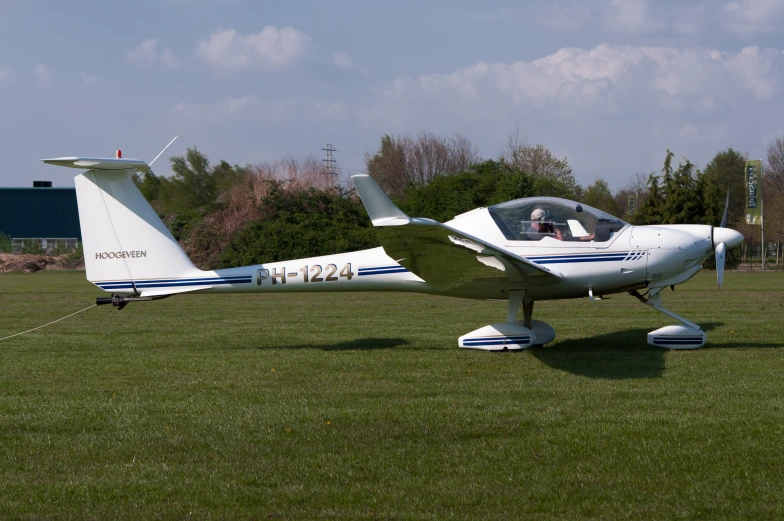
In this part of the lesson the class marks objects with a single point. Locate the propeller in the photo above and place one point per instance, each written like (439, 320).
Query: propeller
(720, 253)
(722, 237)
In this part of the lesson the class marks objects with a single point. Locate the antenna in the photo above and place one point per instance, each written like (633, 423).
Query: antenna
(329, 160)
(161, 152)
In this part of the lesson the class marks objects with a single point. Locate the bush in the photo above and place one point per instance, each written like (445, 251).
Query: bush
(5, 243)
(485, 184)
(299, 224)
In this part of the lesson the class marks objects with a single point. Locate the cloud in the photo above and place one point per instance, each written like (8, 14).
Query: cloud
(749, 17)
(170, 60)
(688, 19)
(146, 56)
(6, 76)
(560, 16)
(610, 107)
(574, 80)
(88, 80)
(44, 76)
(342, 60)
(630, 16)
(271, 48)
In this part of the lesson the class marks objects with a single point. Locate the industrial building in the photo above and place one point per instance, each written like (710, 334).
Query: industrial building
(40, 218)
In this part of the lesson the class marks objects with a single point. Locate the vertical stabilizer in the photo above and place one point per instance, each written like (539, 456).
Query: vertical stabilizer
(123, 238)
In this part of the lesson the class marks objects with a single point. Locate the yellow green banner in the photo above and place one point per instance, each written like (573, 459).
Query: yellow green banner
(632, 204)
(754, 192)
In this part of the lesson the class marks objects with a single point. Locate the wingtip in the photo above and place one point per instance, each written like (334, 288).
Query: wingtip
(379, 206)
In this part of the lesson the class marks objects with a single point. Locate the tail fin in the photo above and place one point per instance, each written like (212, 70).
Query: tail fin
(124, 241)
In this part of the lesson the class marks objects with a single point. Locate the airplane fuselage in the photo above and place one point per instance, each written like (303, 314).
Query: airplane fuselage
(634, 258)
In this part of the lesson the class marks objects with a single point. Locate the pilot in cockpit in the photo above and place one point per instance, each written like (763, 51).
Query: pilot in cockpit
(542, 227)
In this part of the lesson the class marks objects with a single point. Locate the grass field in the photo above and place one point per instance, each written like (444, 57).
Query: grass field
(360, 406)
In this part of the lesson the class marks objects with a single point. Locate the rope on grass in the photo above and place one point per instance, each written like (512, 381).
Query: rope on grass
(49, 324)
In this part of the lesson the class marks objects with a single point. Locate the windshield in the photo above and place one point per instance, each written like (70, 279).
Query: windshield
(534, 218)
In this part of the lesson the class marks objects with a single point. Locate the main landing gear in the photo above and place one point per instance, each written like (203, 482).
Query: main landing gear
(512, 335)
(686, 336)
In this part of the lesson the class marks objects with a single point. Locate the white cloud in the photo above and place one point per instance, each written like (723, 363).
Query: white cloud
(574, 80)
(560, 16)
(227, 50)
(6, 76)
(630, 16)
(756, 69)
(146, 56)
(44, 76)
(752, 16)
(88, 80)
(597, 106)
(689, 18)
(170, 60)
(342, 60)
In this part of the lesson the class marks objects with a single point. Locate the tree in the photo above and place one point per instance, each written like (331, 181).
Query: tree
(552, 176)
(149, 185)
(195, 184)
(773, 192)
(600, 196)
(680, 204)
(404, 160)
(651, 210)
(774, 220)
(637, 185)
(711, 200)
(774, 171)
(484, 184)
(388, 167)
(727, 168)
(300, 224)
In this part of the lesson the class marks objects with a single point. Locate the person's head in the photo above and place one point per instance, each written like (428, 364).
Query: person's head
(537, 216)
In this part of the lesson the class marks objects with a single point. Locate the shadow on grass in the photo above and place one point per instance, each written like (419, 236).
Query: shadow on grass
(360, 344)
(617, 355)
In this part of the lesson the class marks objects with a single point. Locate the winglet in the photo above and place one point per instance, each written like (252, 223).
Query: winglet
(380, 208)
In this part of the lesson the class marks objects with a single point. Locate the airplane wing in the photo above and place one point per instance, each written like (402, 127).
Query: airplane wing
(443, 257)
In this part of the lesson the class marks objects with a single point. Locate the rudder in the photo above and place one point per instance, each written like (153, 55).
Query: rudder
(124, 240)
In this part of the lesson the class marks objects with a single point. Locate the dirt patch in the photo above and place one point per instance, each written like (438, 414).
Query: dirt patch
(30, 263)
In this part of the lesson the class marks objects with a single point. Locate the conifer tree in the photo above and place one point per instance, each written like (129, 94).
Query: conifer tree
(681, 205)
(652, 208)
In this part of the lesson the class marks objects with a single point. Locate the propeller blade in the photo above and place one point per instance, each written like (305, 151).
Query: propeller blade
(726, 208)
(721, 250)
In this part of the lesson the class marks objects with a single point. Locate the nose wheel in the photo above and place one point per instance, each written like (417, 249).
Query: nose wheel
(686, 335)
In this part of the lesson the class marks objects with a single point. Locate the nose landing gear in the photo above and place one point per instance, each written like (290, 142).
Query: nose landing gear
(686, 335)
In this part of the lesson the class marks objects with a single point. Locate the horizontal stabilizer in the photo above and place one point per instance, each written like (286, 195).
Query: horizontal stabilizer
(98, 163)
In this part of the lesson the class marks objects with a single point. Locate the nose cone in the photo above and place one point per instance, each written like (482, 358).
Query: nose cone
(730, 237)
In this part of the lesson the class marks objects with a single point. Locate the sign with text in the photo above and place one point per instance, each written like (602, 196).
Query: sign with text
(754, 192)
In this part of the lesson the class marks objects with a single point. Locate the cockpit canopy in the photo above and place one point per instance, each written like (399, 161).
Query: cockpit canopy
(534, 218)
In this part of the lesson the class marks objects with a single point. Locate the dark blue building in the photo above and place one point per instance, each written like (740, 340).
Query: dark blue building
(44, 216)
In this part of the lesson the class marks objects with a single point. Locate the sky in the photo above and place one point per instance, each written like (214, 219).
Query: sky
(608, 84)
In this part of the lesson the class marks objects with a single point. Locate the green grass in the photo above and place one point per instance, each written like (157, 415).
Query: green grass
(360, 406)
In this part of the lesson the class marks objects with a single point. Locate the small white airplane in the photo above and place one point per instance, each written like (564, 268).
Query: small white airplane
(537, 248)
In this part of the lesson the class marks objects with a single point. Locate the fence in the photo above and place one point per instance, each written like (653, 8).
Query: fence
(22, 245)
